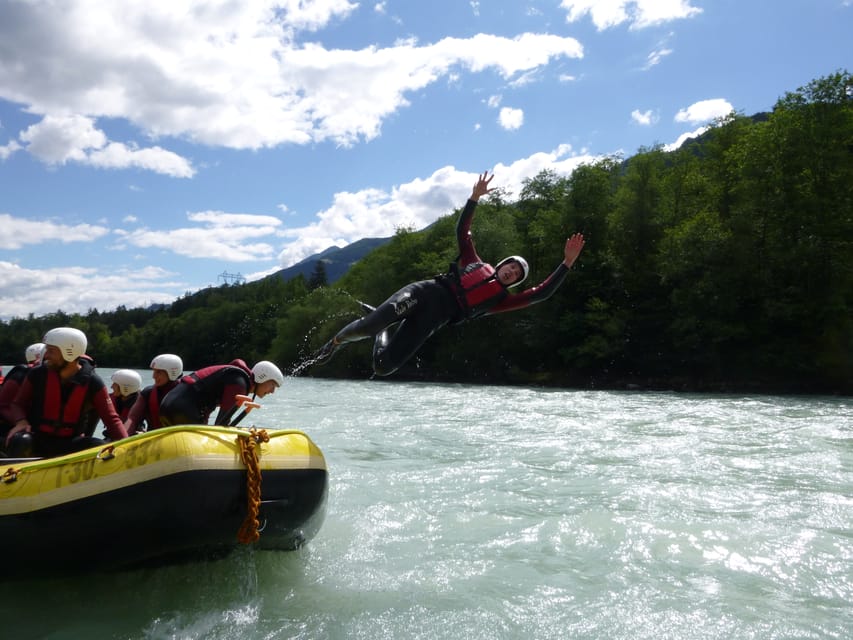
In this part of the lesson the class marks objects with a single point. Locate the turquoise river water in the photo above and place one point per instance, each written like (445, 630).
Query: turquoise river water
(480, 512)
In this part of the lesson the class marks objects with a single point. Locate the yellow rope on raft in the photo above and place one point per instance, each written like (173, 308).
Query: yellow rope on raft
(249, 452)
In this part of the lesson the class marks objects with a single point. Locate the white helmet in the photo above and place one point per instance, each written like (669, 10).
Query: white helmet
(34, 353)
(71, 342)
(127, 380)
(266, 370)
(525, 268)
(170, 363)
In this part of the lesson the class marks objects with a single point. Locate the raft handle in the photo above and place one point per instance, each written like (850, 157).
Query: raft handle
(107, 453)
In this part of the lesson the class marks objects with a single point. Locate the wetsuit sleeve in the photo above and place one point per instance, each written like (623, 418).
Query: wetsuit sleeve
(228, 401)
(107, 413)
(7, 395)
(21, 404)
(467, 251)
(532, 295)
(136, 414)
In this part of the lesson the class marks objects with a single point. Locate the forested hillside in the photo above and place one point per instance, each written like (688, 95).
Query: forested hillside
(724, 265)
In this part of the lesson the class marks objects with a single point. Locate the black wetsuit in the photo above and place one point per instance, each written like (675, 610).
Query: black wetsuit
(198, 394)
(421, 308)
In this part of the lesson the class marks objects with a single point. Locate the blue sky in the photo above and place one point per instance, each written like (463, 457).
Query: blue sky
(148, 147)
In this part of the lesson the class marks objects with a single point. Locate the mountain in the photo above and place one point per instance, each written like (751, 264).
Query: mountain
(337, 260)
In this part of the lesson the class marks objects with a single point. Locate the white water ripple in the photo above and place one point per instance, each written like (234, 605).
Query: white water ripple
(458, 511)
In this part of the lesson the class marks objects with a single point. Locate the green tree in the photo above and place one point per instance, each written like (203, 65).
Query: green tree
(318, 276)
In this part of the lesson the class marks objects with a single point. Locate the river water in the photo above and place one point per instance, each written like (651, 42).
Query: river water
(480, 512)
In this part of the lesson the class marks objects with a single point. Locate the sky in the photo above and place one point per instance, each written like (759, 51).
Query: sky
(149, 149)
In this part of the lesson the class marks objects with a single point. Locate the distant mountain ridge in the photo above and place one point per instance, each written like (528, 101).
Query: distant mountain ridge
(337, 260)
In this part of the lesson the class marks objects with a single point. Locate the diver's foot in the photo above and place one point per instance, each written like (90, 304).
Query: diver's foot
(366, 307)
(325, 353)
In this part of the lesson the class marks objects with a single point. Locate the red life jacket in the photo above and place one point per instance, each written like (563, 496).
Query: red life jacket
(154, 397)
(57, 418)
(478, 289)
(211, 371)
(210, 382)
(123, 404)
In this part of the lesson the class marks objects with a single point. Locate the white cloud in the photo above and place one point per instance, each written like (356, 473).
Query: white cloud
(562, 161)
(8, 149)
(704, 110)
(294, 14)
(348, 102)
(645, 118)
(511, 119)
(684, 137)
(56, 140)
(233, 237)
(524, 79)
(20, 232)
(78, 289)
(494, 101)
(655, 57)
(63, 139)
(223, 236)
(227, 74)
(120, 156)
(379, 213)
(638, 13)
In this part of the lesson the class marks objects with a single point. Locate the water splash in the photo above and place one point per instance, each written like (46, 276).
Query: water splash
(308, 356)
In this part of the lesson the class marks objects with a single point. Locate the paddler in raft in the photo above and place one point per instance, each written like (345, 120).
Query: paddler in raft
(198, 394)
(13, 381)
(166, 370)
(58, 405)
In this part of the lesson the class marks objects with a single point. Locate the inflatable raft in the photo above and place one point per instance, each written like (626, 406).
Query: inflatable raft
(168, 495)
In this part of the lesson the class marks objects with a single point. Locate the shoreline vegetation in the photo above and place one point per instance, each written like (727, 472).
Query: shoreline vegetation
(723, 266)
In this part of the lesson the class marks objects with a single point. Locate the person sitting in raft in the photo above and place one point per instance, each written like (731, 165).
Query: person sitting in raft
(470, 289)
(194, 398)
(55, 409)
(12, 382)
(126, 384)
(34, 353)
(166, 368)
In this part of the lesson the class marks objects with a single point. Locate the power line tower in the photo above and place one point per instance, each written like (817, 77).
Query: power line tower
(232, 278)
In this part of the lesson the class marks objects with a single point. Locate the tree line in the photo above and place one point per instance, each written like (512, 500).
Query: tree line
(725, 265)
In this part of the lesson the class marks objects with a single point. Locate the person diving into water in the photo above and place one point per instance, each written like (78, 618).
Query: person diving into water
(470, 289)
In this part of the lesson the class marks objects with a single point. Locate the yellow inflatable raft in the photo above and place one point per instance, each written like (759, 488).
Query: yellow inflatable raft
(167, 495)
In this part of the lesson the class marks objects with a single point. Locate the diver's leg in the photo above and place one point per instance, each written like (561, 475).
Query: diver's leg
(377, 320)
(423, 317)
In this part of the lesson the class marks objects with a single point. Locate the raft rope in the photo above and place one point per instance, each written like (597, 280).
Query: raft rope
(249, 452)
